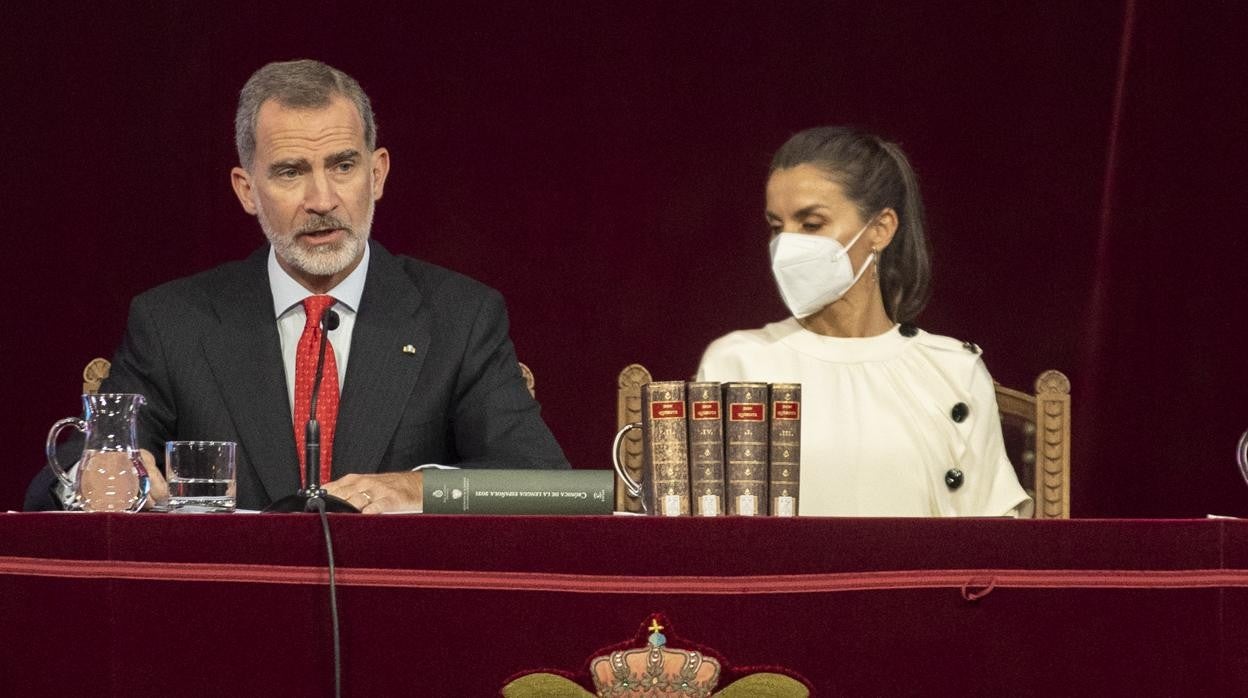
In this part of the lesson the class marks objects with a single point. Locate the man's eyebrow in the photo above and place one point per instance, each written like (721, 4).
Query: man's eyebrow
(341, 156)
(297, 164)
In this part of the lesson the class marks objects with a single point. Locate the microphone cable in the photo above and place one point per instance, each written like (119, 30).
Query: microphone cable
(329, 322)
(319, 505)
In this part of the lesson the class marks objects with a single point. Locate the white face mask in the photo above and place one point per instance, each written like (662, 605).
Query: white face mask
(814, 270)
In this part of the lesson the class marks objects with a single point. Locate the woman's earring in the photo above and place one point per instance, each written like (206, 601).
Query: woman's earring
(875, 264)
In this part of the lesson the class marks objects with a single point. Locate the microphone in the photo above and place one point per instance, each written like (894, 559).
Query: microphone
(312, 432)
(312, 494)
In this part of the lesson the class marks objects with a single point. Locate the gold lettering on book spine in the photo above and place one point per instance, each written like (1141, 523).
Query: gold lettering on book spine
(745, 444)
(785, 467)
(667, 443)
(706, 446)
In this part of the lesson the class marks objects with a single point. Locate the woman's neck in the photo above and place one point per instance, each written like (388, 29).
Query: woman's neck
(854, 315)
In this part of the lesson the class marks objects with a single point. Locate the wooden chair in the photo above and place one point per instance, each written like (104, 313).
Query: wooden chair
(1035, 427)
(529, 380)
(627, 411)
(97, 370)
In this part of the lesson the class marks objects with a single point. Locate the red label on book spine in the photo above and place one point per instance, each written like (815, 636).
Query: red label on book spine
(746, 412)
(706, 410)
(786, 410)
(667, 410)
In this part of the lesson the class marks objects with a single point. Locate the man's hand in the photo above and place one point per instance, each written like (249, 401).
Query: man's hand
(159, 494)
(374, 494)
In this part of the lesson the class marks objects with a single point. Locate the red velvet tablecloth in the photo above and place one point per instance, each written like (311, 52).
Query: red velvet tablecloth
(147, 604)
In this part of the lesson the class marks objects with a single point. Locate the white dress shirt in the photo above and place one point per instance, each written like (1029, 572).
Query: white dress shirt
(288, 298)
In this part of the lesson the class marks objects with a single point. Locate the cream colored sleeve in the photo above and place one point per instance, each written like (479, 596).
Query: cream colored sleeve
(991, 486)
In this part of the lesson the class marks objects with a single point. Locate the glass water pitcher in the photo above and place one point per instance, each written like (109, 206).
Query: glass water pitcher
(110, 475)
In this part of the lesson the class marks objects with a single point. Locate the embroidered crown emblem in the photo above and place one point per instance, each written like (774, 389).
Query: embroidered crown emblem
(655, 670)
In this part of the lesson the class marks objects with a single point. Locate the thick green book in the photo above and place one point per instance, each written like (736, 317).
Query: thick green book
(546, 492)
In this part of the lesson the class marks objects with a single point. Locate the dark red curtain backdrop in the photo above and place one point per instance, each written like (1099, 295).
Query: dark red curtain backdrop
(602, 165)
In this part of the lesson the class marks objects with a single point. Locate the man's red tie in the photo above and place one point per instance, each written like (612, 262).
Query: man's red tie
(305, 376)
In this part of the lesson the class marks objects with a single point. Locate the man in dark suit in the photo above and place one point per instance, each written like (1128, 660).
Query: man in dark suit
(420, 370)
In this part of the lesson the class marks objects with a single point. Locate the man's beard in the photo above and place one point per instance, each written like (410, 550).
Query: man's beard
(325, 259)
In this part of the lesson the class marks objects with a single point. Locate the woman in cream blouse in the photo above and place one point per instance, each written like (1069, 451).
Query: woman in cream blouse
(897, 422)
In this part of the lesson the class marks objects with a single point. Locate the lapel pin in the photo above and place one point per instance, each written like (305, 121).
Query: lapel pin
(409, 349)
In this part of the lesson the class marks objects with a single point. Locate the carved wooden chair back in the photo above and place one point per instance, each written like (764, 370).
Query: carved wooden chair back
(627, 411)
(95, 372)
(1036, 429)
(529, 380)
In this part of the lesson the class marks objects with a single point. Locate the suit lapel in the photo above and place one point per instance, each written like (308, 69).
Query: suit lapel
(388, 348)
(246, 361)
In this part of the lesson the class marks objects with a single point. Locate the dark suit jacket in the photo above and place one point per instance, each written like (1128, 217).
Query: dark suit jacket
(204, 350)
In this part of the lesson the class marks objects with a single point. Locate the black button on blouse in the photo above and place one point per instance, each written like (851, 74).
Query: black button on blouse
(960, 412)
(953, 478)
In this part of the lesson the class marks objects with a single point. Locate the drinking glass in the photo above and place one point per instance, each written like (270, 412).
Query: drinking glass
(201, 475)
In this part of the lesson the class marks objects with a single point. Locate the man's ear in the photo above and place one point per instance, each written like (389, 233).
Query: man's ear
(240, 179)
(380, 168)
(883, 229)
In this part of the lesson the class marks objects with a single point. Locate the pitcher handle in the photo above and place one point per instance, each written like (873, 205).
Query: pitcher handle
(55, 464)
(634, 488)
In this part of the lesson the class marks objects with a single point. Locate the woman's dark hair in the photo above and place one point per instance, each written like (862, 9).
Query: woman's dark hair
(874, 175)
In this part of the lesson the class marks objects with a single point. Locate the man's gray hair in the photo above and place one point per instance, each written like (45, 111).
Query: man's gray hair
(302, 84)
